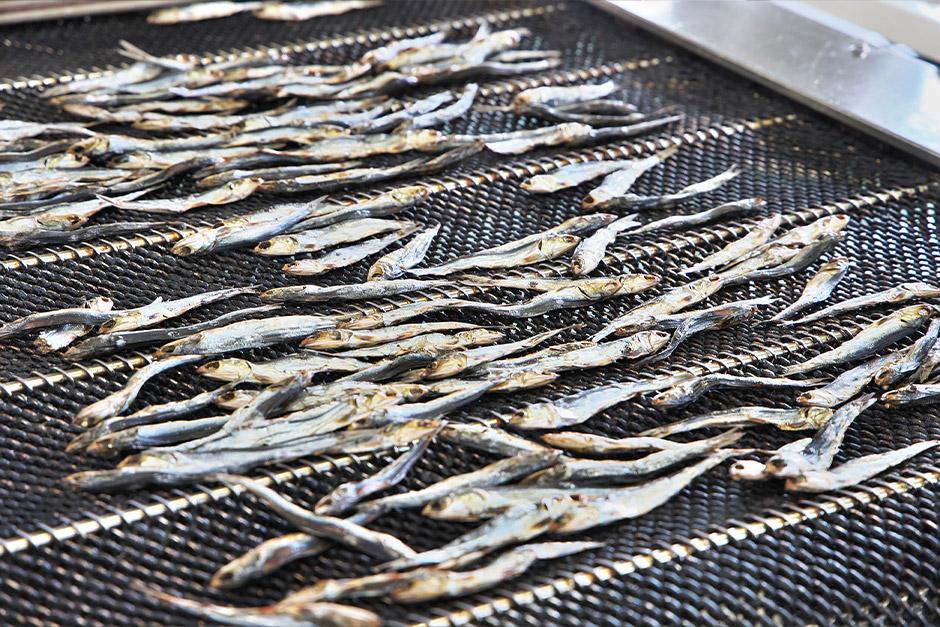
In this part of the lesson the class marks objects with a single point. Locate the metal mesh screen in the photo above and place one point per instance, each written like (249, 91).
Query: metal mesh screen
(69, 557)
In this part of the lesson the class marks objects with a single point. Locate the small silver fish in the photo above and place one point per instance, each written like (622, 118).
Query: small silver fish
(399, 261)
(350, 338)
(910, 360)
(445, 114)
(785, 419)
(342, 257)
(115, 403)
(295, 615)
(871, 339)
(684, 221)
(590, 444)
(575, 294)
(160, 310)
(201, 11)
(598, 355)
(572, 175)
(478, 503)
(279, 369)
(606, 470)
(488, 439)
(230, 192)
(359, 291)
(632, 201)
(300, 11)
(634, 501)
(819, 287)
(346, 495)
(314, 240)
(497, 473)
(671, 302)
(685, 392)
(577, 408)
(898, 294)
(847, 385)
(912, 393)
(459, 361)
(434, 341)
(248, 334)
(822, 447)
(136, 73)
(547, 248)
(591, 250)
(380, 205)
(60, 337)
(618, 182)
(855, 471)
(552, 96)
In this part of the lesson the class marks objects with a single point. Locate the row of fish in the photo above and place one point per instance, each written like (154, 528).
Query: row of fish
(266, 10)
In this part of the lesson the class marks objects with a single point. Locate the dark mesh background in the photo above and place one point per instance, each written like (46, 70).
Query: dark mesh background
(870, 564)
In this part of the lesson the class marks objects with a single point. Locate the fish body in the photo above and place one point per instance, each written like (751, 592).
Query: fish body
(576, 294)
(910, 360)
(488, 439)
(383, 204)
(736, 207)
(618, 182)
(898, 294)
(248, 334)
(357, 338)
(545, 249)
(115, 403)
(201, 11)
(586, 471)
(591, 444)
(786, 419)
(871, 339)
(848, 384)
(445, 114)
(497, 473)
(60, 337)
(633, 201)
(277, 370)
(479, 503)
(342, 257)
(577, 408)
(571, 175)
(228, 193)
(685, 392)
(300, 11)
(554, 96)
(313, 240)
(435, 341)
(819, 287)
(160, 310)
(598, 355)
(855, 471)
(912, 393)
(454, 363)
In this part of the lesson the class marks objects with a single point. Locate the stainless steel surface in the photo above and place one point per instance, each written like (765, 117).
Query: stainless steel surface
(879, 90)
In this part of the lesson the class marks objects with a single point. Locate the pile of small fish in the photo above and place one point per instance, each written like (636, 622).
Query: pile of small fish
(366, 383)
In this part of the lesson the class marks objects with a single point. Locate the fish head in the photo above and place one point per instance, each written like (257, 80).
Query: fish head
(410, 194)
(675, 396)
(131, 160)
(446, 366)
(364, 322)
(182, 346)
(234, 399)
(816, 416)
(706, 286)
(151, 461)
(240, 570)
(633, 283)
(649, 341)
(917, 313)
(837, 222)
(125, 322)
(748, 470)
(65, 161)
(338, 500)
(325, 340)
(408, 391)
(61, 222)
(601, 288)
(197, 242)
(901, 396)
(536, 416)
(406, 432)
(111, 444)
(280, 245)
(478, 337)
(555, 245)
(524, 380)
(243, 187)
(540, 184)
(379, 271)
(787, 466)
(96, 145)
(226, 369)
(909, 290)
(460, 506)
(818, 398)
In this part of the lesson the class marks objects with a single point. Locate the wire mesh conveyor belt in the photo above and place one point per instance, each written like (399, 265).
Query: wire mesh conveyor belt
(718, 553)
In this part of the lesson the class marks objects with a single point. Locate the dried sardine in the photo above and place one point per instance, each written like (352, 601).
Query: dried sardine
(786, 419)
(736, 207)
(898, 294)
(685, 392)
(248, 334)
(342, 257)
(756, 237)
(591, 250)
(399, 261)
(313, 240)
(819, 287)
(855, 471)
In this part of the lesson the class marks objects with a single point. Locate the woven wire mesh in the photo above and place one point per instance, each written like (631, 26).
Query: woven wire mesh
(798, 160)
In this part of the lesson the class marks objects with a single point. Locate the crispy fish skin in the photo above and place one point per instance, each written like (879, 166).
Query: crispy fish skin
(871, 339)
(786, 419)
(397, 262)
(819, 287)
